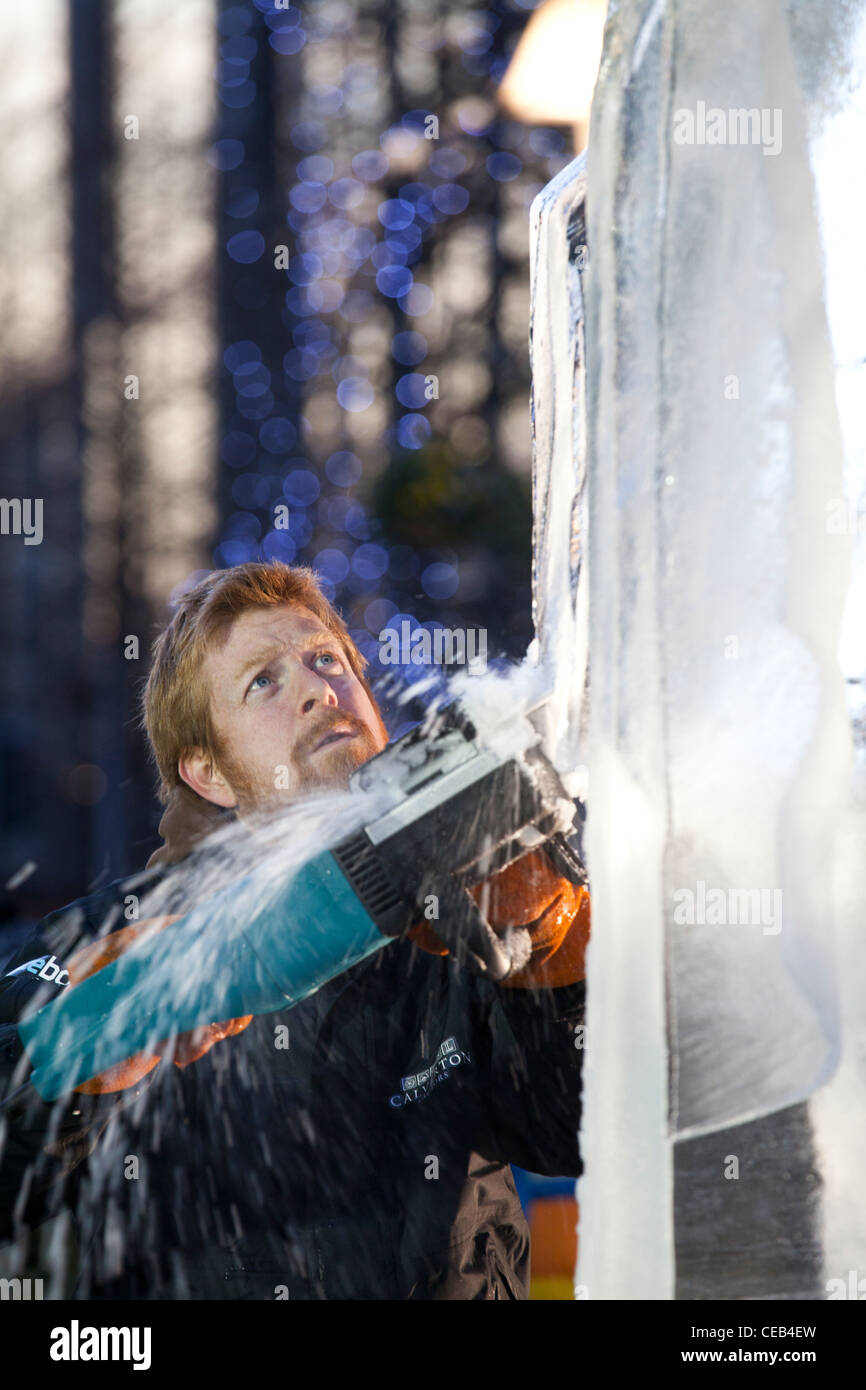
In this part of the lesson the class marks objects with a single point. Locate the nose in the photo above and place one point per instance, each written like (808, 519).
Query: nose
(314, 690)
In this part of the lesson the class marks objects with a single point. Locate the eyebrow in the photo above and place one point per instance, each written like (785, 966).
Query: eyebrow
(261, 658)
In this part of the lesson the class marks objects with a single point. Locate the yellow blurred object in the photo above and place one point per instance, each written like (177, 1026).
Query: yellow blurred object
(551, 77)
(553, 1234)
(552, 1288)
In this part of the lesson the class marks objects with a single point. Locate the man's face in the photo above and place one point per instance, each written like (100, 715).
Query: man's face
(290, 714)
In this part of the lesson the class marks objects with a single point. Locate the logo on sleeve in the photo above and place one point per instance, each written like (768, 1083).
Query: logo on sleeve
(418, 1085)
(44, 968)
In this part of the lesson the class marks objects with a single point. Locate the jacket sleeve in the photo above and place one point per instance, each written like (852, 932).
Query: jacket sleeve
(41, 1143)
(535, 1055)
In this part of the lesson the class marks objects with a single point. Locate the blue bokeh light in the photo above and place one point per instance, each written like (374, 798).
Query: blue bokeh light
(343, 469)
(301, 487)
(417, 302)
(388, 253)
(308, 196)
(234, 552)
(304, 269)
(226, 155)
(279, 18)
(315, 168)
(413, 431)
(356, 523)
(410, 391)
(333, 564)
(346, 193)
(242, 202)
(546, 142)
(394, 281)
(231, 72)
(448, 163)
(301, 364)
(355, 394)
(246, 247)
(409, 348)
(287, 41)
(278, 435)
(300, 528)
(450, 198)
(503, 166)
(252, 380)
(237, 98)
(236, 354)
(409, 238)
(370, 165)
(440, 581)
(370, 561)
(278, 545)
(420, 197)
(396, 213)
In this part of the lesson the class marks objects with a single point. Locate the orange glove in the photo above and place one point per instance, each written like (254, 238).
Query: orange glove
(188, 1047)
(530, 893)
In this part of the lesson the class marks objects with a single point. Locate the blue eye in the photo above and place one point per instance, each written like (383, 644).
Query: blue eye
(326, 656)
(258, 678)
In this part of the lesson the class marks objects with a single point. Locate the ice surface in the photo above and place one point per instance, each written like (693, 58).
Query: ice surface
(830, 47)
(724, 846)
(560, 595)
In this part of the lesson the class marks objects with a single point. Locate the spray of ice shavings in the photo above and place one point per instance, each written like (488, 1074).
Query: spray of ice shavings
(231, 878)
(265, 848)
(497, 701)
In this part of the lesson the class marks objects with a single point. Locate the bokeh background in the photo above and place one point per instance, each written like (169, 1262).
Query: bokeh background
(253, 258)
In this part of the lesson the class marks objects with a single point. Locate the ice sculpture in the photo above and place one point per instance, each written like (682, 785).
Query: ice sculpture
(695, 456)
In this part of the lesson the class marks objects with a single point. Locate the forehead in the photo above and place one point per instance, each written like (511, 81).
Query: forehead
(259, 629)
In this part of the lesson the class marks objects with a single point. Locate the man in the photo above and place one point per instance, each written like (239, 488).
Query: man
(358, 1145)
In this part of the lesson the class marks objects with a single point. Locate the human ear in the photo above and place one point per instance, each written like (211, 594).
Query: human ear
(199, 771)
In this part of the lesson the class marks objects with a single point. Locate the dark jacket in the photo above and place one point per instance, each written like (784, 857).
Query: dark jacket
(367, 1158)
